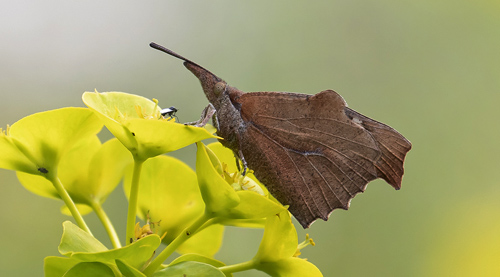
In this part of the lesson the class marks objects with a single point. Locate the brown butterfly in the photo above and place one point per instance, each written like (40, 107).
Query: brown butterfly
(312, 152)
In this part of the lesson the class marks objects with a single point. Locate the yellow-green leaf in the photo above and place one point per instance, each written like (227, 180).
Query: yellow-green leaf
(41, 139)
(135, 254)
(279, 240)
(57, 266)
(217, 194)
(156, 137)
(113, 108)
(128, 270)
(89, 171)
(168, 190)
(82, 208)
(12, 158)
(189, 268)
(206, 242)
(79, 245)
(290, 267)
(76, 240)
(278, 247)
(244, 223)
(199, 258)
(252, 205)
(227, 157)
(37, 185)
(90, 269)
(136, 122)
(106, 169)
(73, 170)
(214, 160)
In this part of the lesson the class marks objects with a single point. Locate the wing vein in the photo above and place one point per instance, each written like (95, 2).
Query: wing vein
(317, 131)
(325, 181)
(345, 174)
(352, 160)
(296, 168)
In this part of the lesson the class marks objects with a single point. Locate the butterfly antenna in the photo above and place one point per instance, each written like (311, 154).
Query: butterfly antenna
(172, 53)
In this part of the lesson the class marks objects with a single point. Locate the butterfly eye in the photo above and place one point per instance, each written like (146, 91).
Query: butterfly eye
(219, 88)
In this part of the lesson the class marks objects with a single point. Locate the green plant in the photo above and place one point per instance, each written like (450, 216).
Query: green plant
(57, 154)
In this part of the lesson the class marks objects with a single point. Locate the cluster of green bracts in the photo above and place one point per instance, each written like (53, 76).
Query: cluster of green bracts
(57, 154)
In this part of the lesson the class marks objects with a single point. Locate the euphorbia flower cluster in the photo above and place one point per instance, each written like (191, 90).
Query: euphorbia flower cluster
(57, 154)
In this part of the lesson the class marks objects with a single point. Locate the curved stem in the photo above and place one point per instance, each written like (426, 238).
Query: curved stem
(70, 204)
(132, 200)
(209, 222)
(182, 237)
(238, 267)
(108, 225)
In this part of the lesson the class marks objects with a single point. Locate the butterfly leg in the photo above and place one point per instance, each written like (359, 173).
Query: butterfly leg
(245, 166)
(241, 158)
(206, 114)
(213, 112)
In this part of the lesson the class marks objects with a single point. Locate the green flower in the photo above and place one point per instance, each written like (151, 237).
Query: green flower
(86, 254)
(217, 194)
(36, 143)
(221, 199)
(136, 121)
(90, 171)
(227, 158)
(278, 251)
(169, 192)
(249, 182)
(223, 204)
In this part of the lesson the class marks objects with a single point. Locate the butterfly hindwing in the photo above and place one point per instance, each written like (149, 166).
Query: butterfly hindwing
(308, 152)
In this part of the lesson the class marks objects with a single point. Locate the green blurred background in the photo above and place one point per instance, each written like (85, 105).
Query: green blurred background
(430, 69)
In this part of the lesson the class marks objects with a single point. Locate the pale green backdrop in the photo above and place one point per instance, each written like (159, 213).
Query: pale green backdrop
(428, 68)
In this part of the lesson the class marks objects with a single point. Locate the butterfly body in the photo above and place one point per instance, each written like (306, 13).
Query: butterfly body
(312, 152)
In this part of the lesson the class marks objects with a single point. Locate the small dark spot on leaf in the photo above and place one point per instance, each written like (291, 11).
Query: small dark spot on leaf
(43, 170)
(131, 240)
(133, 134)
(188, 233)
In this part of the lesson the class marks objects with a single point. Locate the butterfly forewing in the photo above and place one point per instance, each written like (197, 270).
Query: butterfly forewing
(393, 147)
(328, 156)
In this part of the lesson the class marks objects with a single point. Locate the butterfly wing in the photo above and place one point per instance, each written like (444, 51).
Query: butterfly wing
(315, 154)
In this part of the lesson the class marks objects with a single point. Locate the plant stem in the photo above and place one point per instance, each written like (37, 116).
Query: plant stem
(182, 237)
(132, 200)
(108, 225)
(69, 203)
(238, 267)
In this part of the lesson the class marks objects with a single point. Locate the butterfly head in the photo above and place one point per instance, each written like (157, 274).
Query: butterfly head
(217, 91)
(212, 85)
